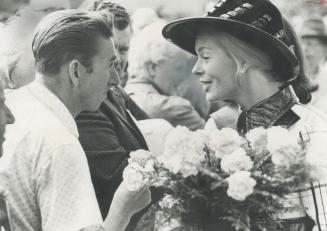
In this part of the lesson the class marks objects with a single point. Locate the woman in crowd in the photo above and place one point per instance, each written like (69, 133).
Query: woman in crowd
(245, 54)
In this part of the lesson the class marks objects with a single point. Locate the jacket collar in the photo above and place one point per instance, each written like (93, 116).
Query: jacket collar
(275, 110)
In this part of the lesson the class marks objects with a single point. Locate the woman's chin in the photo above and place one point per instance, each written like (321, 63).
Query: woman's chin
(212, 99)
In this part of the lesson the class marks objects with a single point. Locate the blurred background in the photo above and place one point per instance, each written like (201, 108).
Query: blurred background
(296, 10)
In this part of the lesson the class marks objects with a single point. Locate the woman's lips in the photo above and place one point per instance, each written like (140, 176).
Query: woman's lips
(206, 85)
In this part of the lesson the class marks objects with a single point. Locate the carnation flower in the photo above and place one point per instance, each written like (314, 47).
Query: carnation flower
(224, 141)
(184, 151)
(279, 138)
(169, 202)
(282, 145)
(240, 185)
(169, 215)
(134, 179)
(236, 161)
(140, 170)
(258, 139)
(140, 156)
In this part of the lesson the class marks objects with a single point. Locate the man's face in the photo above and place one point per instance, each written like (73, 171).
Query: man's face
(103, 75)
(121, 40)
(314, 53)
(6, 117)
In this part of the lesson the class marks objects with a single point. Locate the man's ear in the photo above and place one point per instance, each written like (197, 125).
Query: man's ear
(76, 71)
(151, 68)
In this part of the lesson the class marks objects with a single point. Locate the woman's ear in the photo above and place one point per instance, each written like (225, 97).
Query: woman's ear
(244, 68)
(75, 69)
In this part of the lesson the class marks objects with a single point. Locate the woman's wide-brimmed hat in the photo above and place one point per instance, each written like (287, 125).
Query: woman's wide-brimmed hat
(257, 22)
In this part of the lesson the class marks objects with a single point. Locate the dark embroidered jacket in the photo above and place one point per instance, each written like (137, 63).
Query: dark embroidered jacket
(274, 111)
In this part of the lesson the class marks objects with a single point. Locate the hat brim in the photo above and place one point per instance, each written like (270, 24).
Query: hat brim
(183, 32)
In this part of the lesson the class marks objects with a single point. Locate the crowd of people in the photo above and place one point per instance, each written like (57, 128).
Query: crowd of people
(83, 88)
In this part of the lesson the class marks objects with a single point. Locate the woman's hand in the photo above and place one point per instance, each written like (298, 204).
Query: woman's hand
(124, 205)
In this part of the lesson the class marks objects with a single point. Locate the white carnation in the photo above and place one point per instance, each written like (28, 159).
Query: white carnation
(140, 156)
(134, 180)
(258, 139)
(282, 145)
(169, 202)
(224, 142)
(139, 171)
(279, 138)
(184, 151)
(236, 161)
(240, 185)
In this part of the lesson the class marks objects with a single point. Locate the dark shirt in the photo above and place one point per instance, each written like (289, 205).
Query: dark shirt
(107, 137)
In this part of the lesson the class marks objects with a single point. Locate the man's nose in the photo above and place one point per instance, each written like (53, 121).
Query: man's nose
(118, 63)
(114, 78)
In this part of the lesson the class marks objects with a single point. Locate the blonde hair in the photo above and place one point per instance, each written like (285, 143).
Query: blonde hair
(244, 53)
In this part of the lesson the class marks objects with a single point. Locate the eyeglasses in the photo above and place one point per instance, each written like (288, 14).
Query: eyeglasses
(5, 224)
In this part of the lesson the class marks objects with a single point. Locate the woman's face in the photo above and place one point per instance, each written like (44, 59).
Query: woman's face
(215, 69)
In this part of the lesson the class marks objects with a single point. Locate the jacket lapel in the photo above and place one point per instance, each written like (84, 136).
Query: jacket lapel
(127, 121)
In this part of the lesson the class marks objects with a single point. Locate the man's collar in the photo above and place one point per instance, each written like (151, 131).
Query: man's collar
(52, 102)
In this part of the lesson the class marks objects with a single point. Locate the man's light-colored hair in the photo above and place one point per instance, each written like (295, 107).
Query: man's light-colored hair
(149, 47)
(16, 42)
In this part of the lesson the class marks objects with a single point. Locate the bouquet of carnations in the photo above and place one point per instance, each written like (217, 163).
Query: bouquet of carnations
(220, 180)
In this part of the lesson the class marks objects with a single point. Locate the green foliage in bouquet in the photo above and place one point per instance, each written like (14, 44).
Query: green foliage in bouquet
(222, 181)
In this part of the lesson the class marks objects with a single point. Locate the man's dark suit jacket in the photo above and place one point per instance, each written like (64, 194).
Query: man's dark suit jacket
(107, 137)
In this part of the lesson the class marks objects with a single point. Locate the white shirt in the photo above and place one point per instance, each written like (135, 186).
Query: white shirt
(44, 168)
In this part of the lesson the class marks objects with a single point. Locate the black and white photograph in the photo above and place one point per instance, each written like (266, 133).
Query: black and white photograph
(163, 115)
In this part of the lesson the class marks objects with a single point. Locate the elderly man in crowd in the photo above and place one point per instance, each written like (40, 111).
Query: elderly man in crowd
(156, 69)
(17, 63)
(314, 40)
(9, 7)
(44, 168)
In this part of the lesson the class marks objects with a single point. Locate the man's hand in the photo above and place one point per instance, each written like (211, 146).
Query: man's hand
(131, 202)
(124, 205)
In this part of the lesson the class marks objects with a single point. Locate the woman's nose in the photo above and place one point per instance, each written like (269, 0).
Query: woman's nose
(197, 69)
